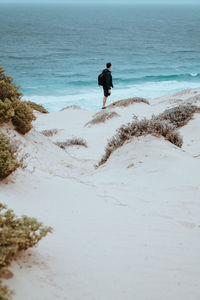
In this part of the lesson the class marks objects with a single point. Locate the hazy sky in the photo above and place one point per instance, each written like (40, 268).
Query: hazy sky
(108, 1)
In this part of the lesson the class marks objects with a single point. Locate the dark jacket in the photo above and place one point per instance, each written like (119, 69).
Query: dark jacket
(108, 81)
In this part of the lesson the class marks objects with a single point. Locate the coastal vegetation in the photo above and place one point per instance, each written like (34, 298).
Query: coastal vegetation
(37, 107)
(11, 107)
(102, 117)
(8, 162)
(19, 113)
(16, 234)
(144, 127)
(179, 115)
(49, 132)
(72, 142)
(127, 102)
(165, 124)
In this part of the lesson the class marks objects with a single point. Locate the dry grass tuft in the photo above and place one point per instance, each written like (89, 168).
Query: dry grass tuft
(49, 132)
(102, 117)
(141, 128)
(127, 102)
(71, 107)
(179, 115)
(72, 142)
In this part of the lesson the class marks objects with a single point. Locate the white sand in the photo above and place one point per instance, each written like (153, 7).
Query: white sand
(127, 230)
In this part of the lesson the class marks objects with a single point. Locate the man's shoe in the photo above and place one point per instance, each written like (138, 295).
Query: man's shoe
(103, 107)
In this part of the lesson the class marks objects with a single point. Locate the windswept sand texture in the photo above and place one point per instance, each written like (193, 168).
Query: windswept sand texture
(126, 230)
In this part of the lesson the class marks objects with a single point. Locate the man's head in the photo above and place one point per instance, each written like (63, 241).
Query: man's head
(108, 66)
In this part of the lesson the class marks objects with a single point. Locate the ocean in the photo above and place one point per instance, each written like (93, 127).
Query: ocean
(55, 52)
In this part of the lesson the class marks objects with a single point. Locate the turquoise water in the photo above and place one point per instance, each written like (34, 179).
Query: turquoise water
(55, 52)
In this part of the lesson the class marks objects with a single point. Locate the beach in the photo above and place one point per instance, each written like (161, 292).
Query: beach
(127, 229)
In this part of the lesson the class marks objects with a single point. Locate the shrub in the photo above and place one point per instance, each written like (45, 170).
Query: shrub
(17, 234)
(72, 142)
(71, 107)
(101, 117)
(37, 107)
(138, 128)
(23, 117)
(11, 108)
(127, 102)
(5, 293)
(6, 111)
(8, 163)
(7, 89)
(179, 115)
(49, 132)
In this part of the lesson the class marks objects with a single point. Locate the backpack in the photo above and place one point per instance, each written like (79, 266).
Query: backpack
(102, 78)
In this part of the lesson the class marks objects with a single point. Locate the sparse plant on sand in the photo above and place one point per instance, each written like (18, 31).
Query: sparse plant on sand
(71, 107)
(127, 102)
(139, 128)
(8, 162)
(16, 234)
(49, 132)
(72, 142)
(179, 115)
(102, 117)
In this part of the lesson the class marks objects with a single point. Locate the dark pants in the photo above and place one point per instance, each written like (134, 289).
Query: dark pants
(106, 93)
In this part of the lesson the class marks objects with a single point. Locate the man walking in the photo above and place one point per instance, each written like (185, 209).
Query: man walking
(107, 83)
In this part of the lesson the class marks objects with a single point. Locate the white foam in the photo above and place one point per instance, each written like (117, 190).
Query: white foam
(92, 99)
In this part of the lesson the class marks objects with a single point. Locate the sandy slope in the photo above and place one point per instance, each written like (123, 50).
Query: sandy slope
(128, 230)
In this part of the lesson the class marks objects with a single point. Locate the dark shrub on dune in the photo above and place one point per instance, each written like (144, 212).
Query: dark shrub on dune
(141, 128)
(8, 162)
(7, 89)
(16, 234)
(6, 111)
(179, 115)
(11, 106)
(23, 117)
(37, 107)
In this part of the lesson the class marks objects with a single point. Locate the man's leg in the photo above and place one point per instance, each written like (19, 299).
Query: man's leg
(104, 101)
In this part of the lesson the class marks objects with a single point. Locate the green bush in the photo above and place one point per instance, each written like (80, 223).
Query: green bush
(37, 107)
(8, 162)
(11, 108)
(7, 89)
(23, 117)
(6, 111)
(5, 293)
(17, 234)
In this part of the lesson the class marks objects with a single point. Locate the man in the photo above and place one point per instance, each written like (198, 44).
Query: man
(107, 83)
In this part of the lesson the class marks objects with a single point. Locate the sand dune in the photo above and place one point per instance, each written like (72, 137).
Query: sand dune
(128, 229)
